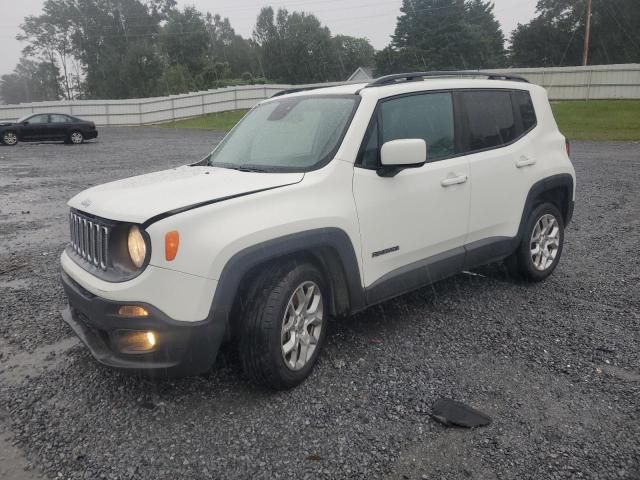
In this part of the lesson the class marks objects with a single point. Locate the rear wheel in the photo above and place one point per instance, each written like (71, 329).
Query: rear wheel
(284, 325)
(76, 137)
(10, 138)
(541, 246)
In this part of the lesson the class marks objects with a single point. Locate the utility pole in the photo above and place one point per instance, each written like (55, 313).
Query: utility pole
(587, 36)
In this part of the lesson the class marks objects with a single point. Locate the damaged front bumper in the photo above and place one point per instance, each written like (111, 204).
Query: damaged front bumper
(179, 348)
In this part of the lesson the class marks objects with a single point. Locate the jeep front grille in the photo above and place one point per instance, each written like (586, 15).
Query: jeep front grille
(89, 239)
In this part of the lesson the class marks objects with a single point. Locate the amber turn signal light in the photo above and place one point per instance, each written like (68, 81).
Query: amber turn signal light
(132, 311)
(171, 244)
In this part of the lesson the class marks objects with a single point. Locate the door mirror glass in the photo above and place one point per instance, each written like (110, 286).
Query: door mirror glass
(408, 152)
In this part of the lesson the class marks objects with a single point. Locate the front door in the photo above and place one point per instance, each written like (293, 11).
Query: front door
(413, 225)
(35, 128)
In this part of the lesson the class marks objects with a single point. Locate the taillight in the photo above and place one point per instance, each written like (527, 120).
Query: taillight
(567, 144)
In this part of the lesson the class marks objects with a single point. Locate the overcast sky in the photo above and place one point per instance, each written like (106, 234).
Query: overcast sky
(373, 19)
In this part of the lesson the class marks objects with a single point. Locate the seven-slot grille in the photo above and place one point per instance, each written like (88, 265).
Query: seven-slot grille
(89, 239)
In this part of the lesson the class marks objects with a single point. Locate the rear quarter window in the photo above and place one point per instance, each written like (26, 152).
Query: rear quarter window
(523, 107)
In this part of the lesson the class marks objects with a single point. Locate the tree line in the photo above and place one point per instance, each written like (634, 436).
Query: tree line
(140, 48)
(464, 34)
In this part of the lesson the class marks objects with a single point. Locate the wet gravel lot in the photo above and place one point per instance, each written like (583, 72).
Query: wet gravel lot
(557, 365)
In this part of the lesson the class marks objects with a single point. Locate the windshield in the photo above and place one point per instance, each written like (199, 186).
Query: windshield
(289, 134)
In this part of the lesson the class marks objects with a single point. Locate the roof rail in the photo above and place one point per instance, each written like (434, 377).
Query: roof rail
(315, 87)
(419, 76)
(295, 90)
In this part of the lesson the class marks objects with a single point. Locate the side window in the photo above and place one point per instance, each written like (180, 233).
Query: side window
(39, 119)
(56, 118)
(428, 116)
(524, 109)
(490, 119)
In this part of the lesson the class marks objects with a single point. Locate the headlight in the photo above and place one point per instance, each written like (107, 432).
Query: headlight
(137, 246)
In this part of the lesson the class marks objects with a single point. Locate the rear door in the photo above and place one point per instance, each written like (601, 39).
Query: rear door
(409, 219)
(59, 126)
(498, 135)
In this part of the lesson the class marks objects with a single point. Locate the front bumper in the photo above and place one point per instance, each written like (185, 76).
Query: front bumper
(182, 348)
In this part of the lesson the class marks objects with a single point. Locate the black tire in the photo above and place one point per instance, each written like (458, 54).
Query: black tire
(265, 304)
(521, 263)
(9, 138)
(75, 137)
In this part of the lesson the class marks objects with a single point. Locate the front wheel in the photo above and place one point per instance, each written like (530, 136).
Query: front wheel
(541, 246)
(10, 138)
(284, 326)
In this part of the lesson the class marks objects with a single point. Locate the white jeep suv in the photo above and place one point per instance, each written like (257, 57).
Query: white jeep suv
(318, 203)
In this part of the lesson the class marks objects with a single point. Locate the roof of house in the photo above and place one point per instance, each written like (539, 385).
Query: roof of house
(361, 73)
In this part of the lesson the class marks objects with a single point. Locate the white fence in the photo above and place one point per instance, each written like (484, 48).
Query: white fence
(150, 110)
(598, 82)
(565, 83)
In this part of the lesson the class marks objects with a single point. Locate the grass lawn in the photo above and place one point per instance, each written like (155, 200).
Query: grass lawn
(578, 120)
(599, 119)
(222, 121)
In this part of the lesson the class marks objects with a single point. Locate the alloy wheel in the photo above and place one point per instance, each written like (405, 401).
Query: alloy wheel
(301, 325)
(545, 242)
(10, 138)
(76, 137)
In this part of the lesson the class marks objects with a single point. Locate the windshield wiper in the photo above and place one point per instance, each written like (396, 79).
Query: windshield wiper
(245, 169)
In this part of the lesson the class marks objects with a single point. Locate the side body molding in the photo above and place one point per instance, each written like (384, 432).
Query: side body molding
(331, 247)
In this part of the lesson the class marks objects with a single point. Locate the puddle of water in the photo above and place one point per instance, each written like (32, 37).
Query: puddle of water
(17, 364)
(13, 465)
(17, 284)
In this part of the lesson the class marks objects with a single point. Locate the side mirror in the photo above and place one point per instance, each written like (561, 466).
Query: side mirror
(26, 122)
(397, 155)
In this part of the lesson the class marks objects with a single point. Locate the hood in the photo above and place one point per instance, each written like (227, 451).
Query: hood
(6, 124)
(139, 199)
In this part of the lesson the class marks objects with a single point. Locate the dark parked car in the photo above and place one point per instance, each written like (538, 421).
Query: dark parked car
(40, 127)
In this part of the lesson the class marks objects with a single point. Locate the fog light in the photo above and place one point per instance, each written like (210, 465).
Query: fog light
(132, 311)
(151, 339)
(135, 341)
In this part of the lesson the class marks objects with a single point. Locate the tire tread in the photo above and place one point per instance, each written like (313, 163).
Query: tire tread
(519, 263)
(261, 315)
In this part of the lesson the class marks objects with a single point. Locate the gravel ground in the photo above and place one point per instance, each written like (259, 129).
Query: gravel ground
(557, 365)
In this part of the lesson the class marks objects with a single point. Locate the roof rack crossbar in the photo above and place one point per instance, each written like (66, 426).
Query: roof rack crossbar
(419, 76)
